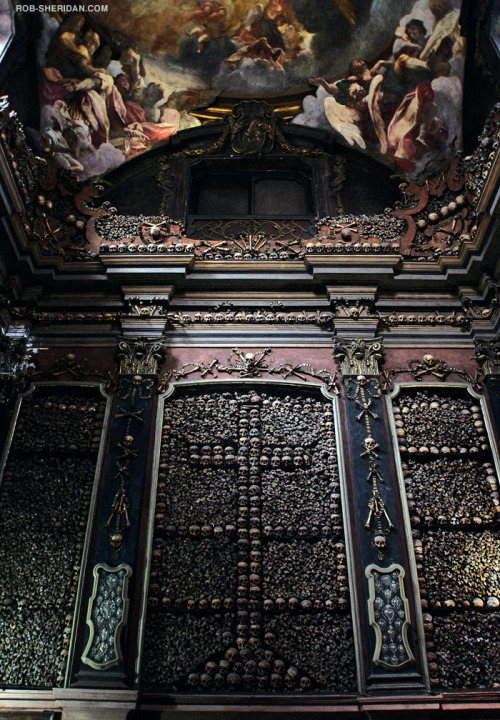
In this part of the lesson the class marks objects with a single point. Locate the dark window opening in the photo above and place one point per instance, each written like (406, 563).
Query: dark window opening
(250, 192)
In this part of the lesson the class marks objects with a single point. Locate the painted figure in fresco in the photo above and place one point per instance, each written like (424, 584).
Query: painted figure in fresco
(411, 41)
(391, 106)
(94, 109)
(64, 145)
(210, 18)
(267, 32)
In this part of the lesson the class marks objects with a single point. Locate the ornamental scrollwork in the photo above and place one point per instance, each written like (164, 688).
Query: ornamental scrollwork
(358, 356)
(139, 357)
(250, 365)
(428, 366)
(488, 356)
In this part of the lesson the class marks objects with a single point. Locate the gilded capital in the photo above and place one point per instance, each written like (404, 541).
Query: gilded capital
(488, 356)
(141, 357)
(358, 356)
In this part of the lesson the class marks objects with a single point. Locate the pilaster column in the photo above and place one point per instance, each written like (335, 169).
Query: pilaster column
(383, 585)
(109, 648)
(488, 358)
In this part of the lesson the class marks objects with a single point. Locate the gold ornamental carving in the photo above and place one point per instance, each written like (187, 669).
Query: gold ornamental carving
(253, 128)
(488, 356)
(139, 357)
(358, 356)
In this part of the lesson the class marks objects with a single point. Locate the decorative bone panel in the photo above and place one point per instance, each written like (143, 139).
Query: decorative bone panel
(44, 503)
(452, 496)
(248, 589)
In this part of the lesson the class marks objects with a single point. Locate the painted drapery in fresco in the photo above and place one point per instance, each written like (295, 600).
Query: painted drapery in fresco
(115, 83)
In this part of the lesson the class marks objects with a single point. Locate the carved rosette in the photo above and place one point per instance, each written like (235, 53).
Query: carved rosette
(388, 612)
(139, 357)
(107, 616)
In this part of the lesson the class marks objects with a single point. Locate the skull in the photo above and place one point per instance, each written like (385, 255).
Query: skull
(248, 681)
(280, 603)
(268, 605)
(250, 666)
(128, 440)
(227, 638)
(263, 668)
(218, 531)
(279, 667)
(305, 683)
(193, 680)
(254, 643)
(293, 603)
(379, 542)
(233, 679)
(369, 444)
(262, 682)
(275, 461)
(216, 604)
(116, 540)
(211, 667)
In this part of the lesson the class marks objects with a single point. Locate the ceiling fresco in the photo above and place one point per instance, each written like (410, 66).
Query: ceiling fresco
(382, 76)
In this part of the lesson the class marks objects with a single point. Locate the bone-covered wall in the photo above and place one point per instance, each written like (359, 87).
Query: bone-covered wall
(45, 498)
(452, 495)
(248, 589)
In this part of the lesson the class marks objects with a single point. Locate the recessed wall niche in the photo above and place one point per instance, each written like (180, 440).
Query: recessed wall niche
(45, 499)
(448, 475)
(248, 589)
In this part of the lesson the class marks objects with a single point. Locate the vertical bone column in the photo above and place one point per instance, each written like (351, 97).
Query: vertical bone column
(388, 635)
(108, 647)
